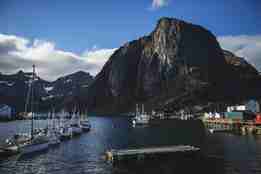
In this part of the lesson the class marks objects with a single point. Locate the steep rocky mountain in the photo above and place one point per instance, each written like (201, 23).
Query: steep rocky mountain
(14, 87)
(177, 61)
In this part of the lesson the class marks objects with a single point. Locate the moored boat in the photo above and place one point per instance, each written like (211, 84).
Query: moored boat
(53, 134)
(38, 141)
(75, 127)
(85, 123)
(141, 118)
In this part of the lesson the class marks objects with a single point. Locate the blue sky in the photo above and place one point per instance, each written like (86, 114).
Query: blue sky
(76, 26)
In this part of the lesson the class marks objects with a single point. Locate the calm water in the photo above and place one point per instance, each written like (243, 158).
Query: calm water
(221, 153)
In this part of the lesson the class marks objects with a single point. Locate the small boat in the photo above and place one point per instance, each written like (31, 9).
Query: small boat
(53, 134)
(64, 131)
(75, 127)
(85, 123)
(36, 144)
(141, 118)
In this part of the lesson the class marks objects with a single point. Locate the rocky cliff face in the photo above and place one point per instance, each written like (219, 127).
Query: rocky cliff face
(176, 58)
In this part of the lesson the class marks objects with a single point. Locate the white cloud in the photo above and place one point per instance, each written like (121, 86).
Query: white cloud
(156, 4)
(245, 46)
(98, 57)
(18, 53)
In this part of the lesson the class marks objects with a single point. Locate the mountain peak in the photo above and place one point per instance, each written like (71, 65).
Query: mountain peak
(175, 59)
(81, 73)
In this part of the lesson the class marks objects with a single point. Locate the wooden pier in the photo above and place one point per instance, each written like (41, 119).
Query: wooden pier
(143, 153)
(236, 126)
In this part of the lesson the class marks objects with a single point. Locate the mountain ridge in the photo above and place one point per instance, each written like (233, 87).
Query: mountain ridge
(14, 87)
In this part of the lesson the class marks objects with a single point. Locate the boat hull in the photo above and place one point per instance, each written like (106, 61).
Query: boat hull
(54, 141)
(86, 129)
(85, 125)
(8, 151)
(32, 148)
(65, 137)
(140, 122)
(75, 131)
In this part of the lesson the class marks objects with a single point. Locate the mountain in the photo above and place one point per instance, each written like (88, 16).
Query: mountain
(14, 87)
(239, 65)
(178, 62)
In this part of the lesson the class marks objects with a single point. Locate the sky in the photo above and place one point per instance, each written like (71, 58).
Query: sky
(64, 36)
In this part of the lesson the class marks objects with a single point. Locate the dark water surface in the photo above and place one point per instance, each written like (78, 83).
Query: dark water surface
(221, 153)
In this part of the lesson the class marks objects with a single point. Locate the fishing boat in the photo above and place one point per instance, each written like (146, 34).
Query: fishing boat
(75, 127)
(65, 133)
(141, 118)
(85, 123)
(53, 133)
(64, 129)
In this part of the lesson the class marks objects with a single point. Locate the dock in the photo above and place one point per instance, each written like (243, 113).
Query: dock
(230, 125)
(143, 153)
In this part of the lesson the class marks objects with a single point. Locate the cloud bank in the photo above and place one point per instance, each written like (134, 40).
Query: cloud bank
(156, 4)
(245, 46)
(17, 53)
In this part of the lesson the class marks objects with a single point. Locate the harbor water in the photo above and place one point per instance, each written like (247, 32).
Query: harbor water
(221, 153)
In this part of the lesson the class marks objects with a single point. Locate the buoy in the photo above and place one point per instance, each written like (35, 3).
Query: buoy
(109, 156)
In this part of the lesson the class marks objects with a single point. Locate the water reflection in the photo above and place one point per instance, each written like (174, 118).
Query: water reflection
(221, 153)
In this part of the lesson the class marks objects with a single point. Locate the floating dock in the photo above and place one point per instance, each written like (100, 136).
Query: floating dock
(143, 153)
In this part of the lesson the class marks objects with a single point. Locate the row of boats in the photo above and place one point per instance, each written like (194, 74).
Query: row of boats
(143, 118)
(39, 139)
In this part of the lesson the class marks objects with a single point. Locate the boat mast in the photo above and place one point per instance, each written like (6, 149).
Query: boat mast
(32, 104)
(137, 110)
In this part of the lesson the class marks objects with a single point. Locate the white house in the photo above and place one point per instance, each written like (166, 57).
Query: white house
(236, 108)
(251, 105)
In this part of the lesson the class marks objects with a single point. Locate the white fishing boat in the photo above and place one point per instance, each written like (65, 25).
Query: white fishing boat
(64, 129)
(53, 134)
(85, 123)
(36, 144)
(37, 141)
(140, 118)
(75, 127)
